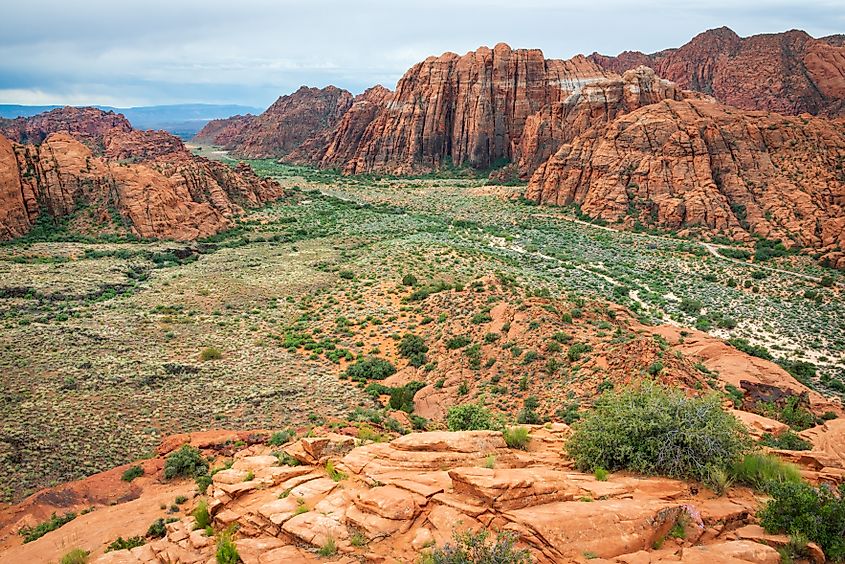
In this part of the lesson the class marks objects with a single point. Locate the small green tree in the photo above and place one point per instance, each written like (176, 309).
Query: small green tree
(470, 417)
(187, 461)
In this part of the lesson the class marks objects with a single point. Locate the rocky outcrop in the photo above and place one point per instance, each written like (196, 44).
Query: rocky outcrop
(465, 110)
(337, 146)
(790, 73)
(284, 126)
(88, 125)
(157, 188)
(698, 164)
(594, 104)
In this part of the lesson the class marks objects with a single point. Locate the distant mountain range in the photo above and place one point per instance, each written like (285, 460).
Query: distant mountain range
(182, 120)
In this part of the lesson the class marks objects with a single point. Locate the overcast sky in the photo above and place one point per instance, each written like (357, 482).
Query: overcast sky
(132, 52)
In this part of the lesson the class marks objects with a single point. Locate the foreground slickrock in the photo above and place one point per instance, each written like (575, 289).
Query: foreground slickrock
(790, 72)
(698, 164)
(395, 500)
(145, 182)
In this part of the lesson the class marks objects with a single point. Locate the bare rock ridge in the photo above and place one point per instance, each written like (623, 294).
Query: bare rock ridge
(284, 126)
(701, 164)
(62, 160)
(789, 73)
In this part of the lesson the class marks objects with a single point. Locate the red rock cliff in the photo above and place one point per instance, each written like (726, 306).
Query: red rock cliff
(284, 126)
(699, 163)
(790, 73)
(158, 187)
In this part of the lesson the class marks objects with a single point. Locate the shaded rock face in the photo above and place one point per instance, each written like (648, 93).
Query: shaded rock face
(335, 147)
(698, 163)
(284, 126)
(157, 187)
(465, 110)
(790, 73)
(595, 104)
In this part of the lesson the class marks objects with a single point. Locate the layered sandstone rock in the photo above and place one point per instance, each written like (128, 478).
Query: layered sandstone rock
(789, 72)
(337, 146)
(700, 164)
(465, 110)
(594, 104)
(284, 126)
(93, 159)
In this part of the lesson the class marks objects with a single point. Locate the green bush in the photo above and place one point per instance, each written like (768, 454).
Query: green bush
(125, 544)
(210, 353)
(131, 473)
(458, 342)
(280, 438)
(227, 552)
(788, 440)
(760, 471)
(413, 348)
(75, 556)
(754, 350)
(655, 430)
(796, 508)
(157, 529)
(30, 534)
(370, 368)
(516, 437)
(187, 461)
(201, 515)
(409, 280)
(469, 417)
(474, 548)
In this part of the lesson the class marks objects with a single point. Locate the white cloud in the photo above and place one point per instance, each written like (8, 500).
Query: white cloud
(251, 51)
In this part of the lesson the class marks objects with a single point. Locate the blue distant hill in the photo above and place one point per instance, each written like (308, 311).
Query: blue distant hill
(183, 120)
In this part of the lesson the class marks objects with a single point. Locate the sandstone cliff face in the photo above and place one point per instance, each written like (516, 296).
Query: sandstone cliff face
(284, 126)
(159, 188)
(335, 147)
(88, 125)
(788, 73)
(595, 104)
(698, 163)
(465, 110)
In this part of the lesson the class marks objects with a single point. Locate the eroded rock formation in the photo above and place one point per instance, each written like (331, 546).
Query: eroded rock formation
(148, 179)
(790, 73)
(284, 126)
(701, 164)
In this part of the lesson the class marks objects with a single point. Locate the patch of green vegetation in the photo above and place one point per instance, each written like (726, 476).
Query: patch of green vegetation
(30, 534)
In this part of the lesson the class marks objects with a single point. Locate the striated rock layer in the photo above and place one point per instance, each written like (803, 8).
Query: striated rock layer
(284, 126)
(698, 163)
(595, 104)
(157, 187)
(790, 73)
(464, 110)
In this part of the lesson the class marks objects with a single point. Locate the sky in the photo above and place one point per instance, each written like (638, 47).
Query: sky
(130, 52)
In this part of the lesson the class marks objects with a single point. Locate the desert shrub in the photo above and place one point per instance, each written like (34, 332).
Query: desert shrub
(187, 461)
(157, 529)
(761, 471)
(469, 417)
(280, 438)
(75, 556)
(577, 350)
(788, 440)
(797, 508)
(516, 437)
(689, 306)
(403, 396)
(457, 342)
(227, 552)
(655, 430)
(201, 515)
(335, 474)
(409, 280)
(746, 347)
(329, 548)
(413, 348)
(601, 474)
(125, 544)
(210, 353)
(475, 548)
(370, 368)
(131, 473)
(346, 274)
(528, 414)
(30, 534)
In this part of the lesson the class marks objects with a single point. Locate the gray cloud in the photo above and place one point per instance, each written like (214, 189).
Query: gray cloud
(251, 51)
